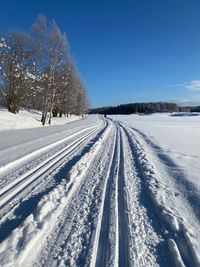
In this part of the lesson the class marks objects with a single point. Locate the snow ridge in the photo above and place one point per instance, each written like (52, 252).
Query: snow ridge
(180, 243)
(103, 195)
(22, 241)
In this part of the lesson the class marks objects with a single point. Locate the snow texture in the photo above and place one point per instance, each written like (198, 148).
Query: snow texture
(27, 119)
(116, 191)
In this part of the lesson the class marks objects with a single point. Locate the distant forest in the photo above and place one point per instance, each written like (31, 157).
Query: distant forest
(151, 107)
(195, 109)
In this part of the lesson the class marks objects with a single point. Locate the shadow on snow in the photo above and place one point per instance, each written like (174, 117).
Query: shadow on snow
(27, 207)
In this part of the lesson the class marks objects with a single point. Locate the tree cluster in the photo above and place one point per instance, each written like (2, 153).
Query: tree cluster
(137, 108)
(185, 109)
(36, 71)
(195, 109)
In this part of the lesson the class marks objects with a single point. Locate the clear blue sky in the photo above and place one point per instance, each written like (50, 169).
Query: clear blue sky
(127, 51)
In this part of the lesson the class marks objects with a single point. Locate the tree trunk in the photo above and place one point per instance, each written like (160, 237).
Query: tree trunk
(50, 116)
(11, 105)
(60, 114)
(55, 112)
(11, 108)
(44, 117)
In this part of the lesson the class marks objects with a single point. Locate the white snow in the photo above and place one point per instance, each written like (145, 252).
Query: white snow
(178, 135)
(128, 185)
(168, 149)
(27, 119)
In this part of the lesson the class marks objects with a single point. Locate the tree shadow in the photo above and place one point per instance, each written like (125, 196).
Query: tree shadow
(185, 115)
(25, 208)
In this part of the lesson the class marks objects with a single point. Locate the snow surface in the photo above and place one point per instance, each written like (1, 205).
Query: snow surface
(116, 191)
(27, 119)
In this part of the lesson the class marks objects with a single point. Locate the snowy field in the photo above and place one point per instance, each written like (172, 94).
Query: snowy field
(117, 191)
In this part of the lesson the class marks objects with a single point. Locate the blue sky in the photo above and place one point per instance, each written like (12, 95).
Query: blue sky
(126, 51)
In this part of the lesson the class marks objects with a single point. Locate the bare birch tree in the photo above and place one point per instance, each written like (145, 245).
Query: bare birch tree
(39, 33)
(15, 68)
(57, 56)
(38, 72)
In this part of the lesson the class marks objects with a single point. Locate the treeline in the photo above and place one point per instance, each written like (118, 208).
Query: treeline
(36, 71)
(137, 108)
(195, 109)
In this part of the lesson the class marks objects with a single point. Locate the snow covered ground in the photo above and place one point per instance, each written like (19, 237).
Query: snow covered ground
(116, 191)
(27, 119)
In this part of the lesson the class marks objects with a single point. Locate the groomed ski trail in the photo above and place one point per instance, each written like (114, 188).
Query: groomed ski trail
(36, 175)
(93, 205)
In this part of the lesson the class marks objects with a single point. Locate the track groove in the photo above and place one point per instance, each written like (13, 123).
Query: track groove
(45, 177)
(4, 170)
(103, 252)
(90, 200)
(124, 255)
(51, 164)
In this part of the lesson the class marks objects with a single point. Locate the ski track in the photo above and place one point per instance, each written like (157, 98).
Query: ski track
(92, 199)
(35, 157)
(190, 192)
(21, 182)
(39, 181)
(178, 236)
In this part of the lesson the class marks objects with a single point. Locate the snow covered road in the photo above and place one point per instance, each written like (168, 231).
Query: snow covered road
(94, 192)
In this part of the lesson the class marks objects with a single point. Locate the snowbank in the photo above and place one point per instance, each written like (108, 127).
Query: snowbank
(27, 119)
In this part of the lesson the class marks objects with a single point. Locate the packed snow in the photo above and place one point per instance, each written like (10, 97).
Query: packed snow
(117, 191)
